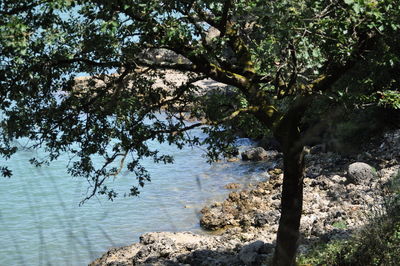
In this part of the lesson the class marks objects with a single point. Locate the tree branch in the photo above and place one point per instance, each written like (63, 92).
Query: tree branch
(121, 164)
(250, 109)
(165, 66)
(336, 71)
(225, 16)
(178, 93)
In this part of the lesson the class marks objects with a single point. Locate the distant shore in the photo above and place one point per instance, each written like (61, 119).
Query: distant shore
(172, 77)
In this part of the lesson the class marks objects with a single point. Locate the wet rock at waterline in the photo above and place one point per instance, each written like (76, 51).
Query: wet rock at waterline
(258, 154)
(254, 154)
(253, 207)
(233, 186)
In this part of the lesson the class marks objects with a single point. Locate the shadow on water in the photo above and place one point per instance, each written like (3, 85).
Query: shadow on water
(41, 223)
(17, 249)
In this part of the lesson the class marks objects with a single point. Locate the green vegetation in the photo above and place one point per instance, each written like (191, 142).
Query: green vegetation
(340, 225)
(377, 243)
(280, 56)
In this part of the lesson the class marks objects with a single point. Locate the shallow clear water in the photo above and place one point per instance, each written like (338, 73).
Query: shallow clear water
(42, 224)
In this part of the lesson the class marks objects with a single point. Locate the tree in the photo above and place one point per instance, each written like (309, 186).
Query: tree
(278, 57)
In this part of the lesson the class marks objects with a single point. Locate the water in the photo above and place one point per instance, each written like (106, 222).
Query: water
(41, 223)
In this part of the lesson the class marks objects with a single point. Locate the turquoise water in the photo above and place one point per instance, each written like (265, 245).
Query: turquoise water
(42, 224)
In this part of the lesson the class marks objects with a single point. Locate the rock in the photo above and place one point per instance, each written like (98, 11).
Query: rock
(211, 221)
(359, 173)
(338, 179)
(275, 172)
(389, 173)
(249, 254)
(258, 154)
(216, 204)
(232, 159)
(316, 149)
(261, 219)
(313, 171)
(254, 154)
(232, 186)
(211, 34)
(234, 196)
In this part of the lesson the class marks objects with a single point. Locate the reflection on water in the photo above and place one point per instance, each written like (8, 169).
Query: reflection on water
(41, 223)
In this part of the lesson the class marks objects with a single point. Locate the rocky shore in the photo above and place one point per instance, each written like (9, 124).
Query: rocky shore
(339, 195)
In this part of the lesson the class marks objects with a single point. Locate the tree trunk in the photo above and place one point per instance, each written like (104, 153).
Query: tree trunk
(292, 189)
(291, 207)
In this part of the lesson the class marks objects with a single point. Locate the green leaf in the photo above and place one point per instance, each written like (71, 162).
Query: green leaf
(357, 8)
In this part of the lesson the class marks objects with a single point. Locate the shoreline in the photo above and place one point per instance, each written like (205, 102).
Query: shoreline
(339, 193)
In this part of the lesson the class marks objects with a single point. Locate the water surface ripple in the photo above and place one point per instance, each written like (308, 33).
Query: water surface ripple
(42, 224)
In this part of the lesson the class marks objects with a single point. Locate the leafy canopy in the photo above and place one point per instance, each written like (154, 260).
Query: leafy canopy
(273, 54)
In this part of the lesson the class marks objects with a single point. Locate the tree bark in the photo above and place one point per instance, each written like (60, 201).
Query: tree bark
(289, 136)
(291, 208)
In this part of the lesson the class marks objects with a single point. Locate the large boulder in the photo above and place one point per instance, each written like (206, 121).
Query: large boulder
(252, 254)
(258, 154)
(360, 173)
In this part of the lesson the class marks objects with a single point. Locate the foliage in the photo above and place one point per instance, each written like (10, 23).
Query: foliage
(284, 48)
(378, 246)
(389, 98)
(217, 104)
(278, 55)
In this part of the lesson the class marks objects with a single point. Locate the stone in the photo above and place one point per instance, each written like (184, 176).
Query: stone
(232, 159)
(233, 196)
(254, 154)
(211, 221)
(319, 148)
(275, 172)
(248, 254)
(338, 179)
(261, 219)
(359, 173)
(211, 34)
(232, 186)
(313, 171)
